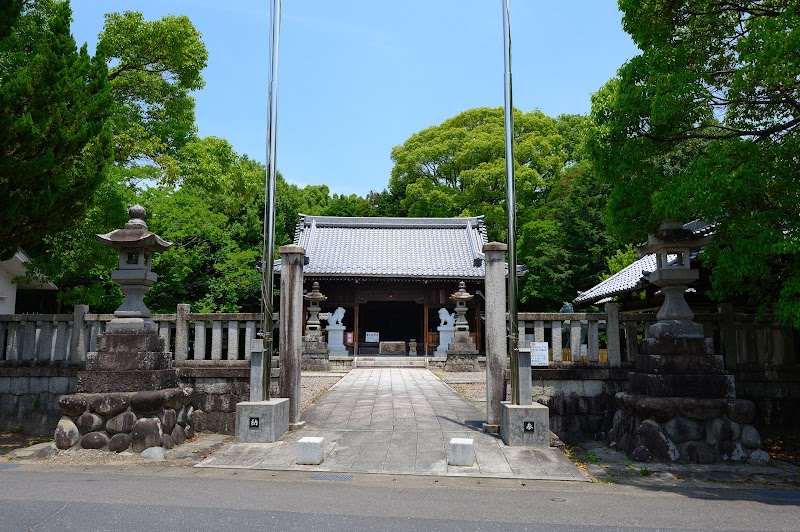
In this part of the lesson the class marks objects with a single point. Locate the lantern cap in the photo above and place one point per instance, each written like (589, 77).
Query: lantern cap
(135, 234)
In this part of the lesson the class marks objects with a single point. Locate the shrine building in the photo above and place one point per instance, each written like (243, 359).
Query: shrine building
(393, 275)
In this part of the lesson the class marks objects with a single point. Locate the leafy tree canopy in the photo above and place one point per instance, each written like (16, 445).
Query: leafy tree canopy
(153, 67)
(704, 124)
(55, 142)
(458, 169)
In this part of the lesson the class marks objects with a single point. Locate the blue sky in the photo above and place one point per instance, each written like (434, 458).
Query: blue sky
(360, 77)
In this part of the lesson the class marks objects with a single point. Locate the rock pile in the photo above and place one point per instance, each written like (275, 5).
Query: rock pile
(125, 421)
(697, 430)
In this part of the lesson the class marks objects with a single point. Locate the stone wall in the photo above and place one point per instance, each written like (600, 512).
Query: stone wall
(776, 394)
(580, 399)
(29, 397)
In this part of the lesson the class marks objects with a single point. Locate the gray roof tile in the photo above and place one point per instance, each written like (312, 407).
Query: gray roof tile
(392, 247)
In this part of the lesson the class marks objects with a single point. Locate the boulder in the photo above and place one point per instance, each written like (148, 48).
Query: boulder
(88, 422)
(40, 451)
(619, 398)
(657, 408)
(173, 398)
(110, 404)
(721, 429)
(73, 405)
(740, 410)
(758, 457)
(67, 434)
(95, 440)
(147, 402)
(730, 451)
(641, 454)
(189, 432)
(656, 441)
(629, 403)
(119, 443)
(679, 429)
(699, 409)
(153, 453)
(146, 433)
(121, 423)
(697, 452)
(750, 437)
(167, 442)
(168, 419)
(178, 435)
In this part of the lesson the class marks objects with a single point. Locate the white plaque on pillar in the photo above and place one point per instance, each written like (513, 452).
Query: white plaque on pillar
(539, 355)
(372, 337)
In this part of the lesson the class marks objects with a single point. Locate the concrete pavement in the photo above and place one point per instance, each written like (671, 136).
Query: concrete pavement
(397, 421)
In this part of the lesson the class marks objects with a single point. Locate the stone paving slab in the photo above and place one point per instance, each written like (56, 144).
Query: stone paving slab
(397, 421)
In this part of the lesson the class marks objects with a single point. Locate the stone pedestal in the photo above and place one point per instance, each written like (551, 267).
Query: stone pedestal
(262, 421)
(525, 425)
(446, 333)
(315, 354)
(336, 346)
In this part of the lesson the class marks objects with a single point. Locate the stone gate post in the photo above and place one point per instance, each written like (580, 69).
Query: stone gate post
(496, 352)
(291, 329)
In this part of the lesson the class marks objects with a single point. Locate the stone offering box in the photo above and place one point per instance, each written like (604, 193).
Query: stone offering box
(123, 421)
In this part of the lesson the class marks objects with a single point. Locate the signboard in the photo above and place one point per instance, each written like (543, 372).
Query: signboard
(539, 354)
(255, 422)
(528, 426)
(584, 351)
(373, 337)
(348, 337)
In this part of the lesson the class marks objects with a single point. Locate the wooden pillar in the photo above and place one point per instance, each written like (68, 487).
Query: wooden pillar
(355, 325)
(425, 328)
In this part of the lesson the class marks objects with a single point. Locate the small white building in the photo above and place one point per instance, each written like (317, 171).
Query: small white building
(11, 269)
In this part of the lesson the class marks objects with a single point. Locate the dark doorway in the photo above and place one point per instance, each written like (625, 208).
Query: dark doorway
(395, 321)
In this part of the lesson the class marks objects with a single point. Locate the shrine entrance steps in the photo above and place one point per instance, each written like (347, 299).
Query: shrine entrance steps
(390, 362)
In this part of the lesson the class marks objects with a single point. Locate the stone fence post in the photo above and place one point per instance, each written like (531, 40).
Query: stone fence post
(78, 341)
(291, 329)
(182, 333)
(612, 335)
(496, 348)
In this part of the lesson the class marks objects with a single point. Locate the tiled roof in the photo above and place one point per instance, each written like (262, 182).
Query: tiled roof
(632, 277)
(433, 248)
(625, 280)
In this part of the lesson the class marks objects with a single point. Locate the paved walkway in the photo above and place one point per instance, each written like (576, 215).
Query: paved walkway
(397, 421)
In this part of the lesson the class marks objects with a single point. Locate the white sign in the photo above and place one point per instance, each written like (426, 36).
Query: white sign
(372, 337)
(584, 351)
(539, 354)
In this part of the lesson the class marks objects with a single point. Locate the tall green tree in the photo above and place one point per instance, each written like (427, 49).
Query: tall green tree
(153, 68)
(55, 140)
(458, 169)
(705, 123)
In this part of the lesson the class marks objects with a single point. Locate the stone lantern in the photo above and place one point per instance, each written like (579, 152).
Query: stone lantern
(672, 246)
(462, 355)
(314, 298)
(460, 298)
(314, 353)
(136, 245)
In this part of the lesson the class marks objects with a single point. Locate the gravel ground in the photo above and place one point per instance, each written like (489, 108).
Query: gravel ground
(471, 385)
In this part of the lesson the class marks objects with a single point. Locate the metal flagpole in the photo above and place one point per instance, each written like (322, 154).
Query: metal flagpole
(511, 203)
(268, 264)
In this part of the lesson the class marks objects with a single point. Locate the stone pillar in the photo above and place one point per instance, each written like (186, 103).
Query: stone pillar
(496, 351)
(291, 329)
(182, 333)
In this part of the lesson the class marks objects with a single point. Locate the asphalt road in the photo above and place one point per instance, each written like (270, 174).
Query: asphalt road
(46, 498)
